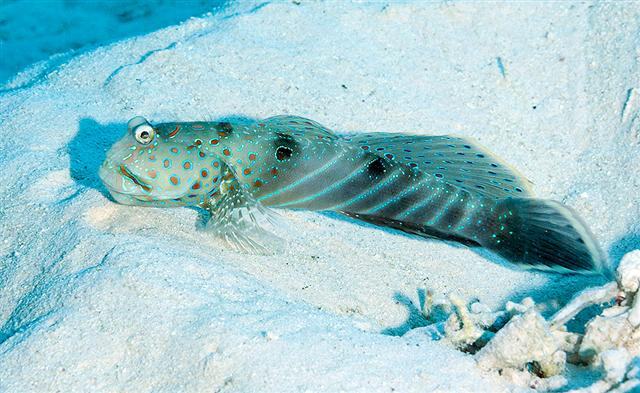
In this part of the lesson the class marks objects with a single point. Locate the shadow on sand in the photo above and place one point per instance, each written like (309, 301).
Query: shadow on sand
(87, 150)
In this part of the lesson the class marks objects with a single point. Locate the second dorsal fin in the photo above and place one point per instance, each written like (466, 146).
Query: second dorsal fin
(458, 161)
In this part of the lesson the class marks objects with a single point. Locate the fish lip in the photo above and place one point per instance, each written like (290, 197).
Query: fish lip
(127, 173)
(106, 176)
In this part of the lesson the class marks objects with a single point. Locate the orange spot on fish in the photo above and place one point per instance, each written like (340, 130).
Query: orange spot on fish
(174, 180)
(252, 157)
(152, 174)
(258, 183)
(198, 142)
(222, 134)
(247, 171)
(166, 163)
(214, 141)
(226, 152)
(204, 173)
(274, 171)
(152, 158)
(201, 154)
(196, 185)
(187, 165)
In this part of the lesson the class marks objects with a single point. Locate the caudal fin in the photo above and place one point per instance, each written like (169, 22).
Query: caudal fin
(543, 234)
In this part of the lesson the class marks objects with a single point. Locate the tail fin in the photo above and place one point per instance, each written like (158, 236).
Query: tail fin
(543, 234)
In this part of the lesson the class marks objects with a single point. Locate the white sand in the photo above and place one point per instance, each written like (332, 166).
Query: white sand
(104, 297)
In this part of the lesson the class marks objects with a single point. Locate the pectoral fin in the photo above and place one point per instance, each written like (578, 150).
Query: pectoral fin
(242, 221)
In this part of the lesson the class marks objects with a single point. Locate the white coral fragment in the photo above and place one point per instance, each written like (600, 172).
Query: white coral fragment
(628, 272)
(531, 351)
(524, 340)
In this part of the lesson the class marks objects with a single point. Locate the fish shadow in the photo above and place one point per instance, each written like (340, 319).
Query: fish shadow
(87, 151)
(415, 317)
(559, 289)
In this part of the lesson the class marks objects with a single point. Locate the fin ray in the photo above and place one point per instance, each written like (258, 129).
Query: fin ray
(543, 234)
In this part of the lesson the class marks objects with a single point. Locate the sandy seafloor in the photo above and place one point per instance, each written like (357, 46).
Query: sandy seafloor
(96, 296)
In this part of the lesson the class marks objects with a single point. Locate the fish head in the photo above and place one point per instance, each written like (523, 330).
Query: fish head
(160, 165)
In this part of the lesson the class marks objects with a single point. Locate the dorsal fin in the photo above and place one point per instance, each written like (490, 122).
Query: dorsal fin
(300, 126)
(458, 161)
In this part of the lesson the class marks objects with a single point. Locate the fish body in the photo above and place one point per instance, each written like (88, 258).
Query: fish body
(433, 186)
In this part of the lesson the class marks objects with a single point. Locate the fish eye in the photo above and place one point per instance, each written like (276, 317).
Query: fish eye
(144, 133)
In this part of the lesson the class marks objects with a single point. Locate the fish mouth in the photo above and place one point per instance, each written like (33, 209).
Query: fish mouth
(127, 173)
(113, 178)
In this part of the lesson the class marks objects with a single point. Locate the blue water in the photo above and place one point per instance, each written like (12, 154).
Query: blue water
(33, 30)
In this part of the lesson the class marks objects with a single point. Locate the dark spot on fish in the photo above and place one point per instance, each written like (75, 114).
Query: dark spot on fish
(480, 155)
(377, 167)
(518, 189)
(439, 175)
(283, 153)
(467, 146)
(480, 187)
(285, 146)
(492, 173)
(494, 165)
(224, 127)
